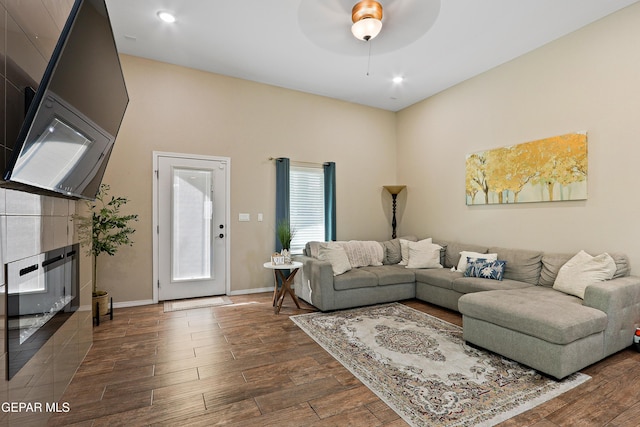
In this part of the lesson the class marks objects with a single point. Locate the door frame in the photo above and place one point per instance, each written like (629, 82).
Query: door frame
(155, 230)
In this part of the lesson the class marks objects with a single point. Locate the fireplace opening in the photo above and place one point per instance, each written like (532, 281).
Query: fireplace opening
(42, 293)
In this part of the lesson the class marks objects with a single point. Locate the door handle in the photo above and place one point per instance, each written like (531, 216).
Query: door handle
(221, 235)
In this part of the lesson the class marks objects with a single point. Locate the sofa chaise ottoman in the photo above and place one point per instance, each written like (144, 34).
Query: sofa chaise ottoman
(552, 331)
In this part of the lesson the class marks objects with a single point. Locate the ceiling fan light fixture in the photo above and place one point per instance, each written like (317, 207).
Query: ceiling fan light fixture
(366, 29)
(166, 17)
(366, 16)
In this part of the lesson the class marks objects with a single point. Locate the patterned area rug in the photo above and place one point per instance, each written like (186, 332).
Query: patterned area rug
(188, 304)
(421, 367)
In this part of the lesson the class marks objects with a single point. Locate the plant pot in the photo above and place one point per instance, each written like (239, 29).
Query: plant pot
(102, 298)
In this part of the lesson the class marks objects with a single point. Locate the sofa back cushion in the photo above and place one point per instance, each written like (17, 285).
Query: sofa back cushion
(552, 262)
(453, 249)
(311, 249)
(387, 252)
(522, 265)
(623, 268)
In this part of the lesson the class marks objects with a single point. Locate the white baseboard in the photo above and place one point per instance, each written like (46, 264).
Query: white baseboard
(125, 304)
(251, 291)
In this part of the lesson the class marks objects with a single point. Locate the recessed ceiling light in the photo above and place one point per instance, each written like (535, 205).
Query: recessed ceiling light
(166, 17)
(398, 79)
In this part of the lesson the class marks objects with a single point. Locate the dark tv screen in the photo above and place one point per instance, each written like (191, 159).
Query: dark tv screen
(71, 125)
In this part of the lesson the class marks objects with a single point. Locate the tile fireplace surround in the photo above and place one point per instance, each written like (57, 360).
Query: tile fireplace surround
(30, 225)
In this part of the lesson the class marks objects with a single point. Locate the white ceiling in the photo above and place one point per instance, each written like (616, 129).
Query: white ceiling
(306, 45)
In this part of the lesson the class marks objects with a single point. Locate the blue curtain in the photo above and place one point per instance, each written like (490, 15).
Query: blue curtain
(282, 195)
(330, 201)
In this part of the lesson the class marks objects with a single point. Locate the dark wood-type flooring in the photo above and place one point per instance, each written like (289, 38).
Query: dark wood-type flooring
(241, 365)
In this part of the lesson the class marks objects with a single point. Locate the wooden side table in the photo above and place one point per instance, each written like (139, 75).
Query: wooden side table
(287, 281)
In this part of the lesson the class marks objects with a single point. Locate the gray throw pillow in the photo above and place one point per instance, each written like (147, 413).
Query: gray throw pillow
(392, 254)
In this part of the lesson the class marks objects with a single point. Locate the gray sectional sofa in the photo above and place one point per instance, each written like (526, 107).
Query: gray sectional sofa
(521, 316)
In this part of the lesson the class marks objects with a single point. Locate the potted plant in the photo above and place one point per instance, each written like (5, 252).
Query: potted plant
(285, 233)
(109, 230)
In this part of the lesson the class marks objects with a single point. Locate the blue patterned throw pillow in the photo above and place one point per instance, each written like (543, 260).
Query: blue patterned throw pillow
(480, 267)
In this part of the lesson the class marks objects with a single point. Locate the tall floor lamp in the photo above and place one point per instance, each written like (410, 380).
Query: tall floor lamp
(394, 190)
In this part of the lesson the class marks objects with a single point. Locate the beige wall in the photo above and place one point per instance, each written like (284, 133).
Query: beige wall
(175, 109)
(588, 80)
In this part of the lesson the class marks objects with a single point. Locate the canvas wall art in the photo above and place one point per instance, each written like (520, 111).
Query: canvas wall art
(546, 170)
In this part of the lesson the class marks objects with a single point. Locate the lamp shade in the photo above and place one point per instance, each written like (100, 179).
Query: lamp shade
(366, 29)
(394, 189)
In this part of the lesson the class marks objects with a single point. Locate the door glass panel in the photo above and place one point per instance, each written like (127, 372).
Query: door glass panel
(192, 233)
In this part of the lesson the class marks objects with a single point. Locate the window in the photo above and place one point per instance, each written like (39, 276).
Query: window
(306, 205)
(306, 198)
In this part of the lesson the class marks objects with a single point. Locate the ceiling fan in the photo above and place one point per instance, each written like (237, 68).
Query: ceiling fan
(328, 23)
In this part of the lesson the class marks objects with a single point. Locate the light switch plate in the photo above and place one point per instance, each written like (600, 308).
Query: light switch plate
(244, 217)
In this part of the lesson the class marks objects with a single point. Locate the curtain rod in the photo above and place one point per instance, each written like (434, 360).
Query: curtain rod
(299, 163)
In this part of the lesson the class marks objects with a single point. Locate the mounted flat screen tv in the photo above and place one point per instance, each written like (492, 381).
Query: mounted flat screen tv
(71, 125)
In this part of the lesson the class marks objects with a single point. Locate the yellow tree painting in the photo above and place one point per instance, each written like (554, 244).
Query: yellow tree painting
(549, 169)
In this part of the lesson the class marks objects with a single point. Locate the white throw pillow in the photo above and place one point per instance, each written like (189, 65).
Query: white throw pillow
(404, 249)
(424, 254)
(583, 270)
(462, 264)
(336, 255)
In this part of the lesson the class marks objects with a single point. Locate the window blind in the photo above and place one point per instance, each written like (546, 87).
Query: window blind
(306, 205)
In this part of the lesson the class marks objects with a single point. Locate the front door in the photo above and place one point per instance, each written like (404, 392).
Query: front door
(192, 227)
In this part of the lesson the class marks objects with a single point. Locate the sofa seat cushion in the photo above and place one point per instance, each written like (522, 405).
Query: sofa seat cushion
(537, 311)
(466, 285)
(391, 274)
(440, 277)
(355, 278)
